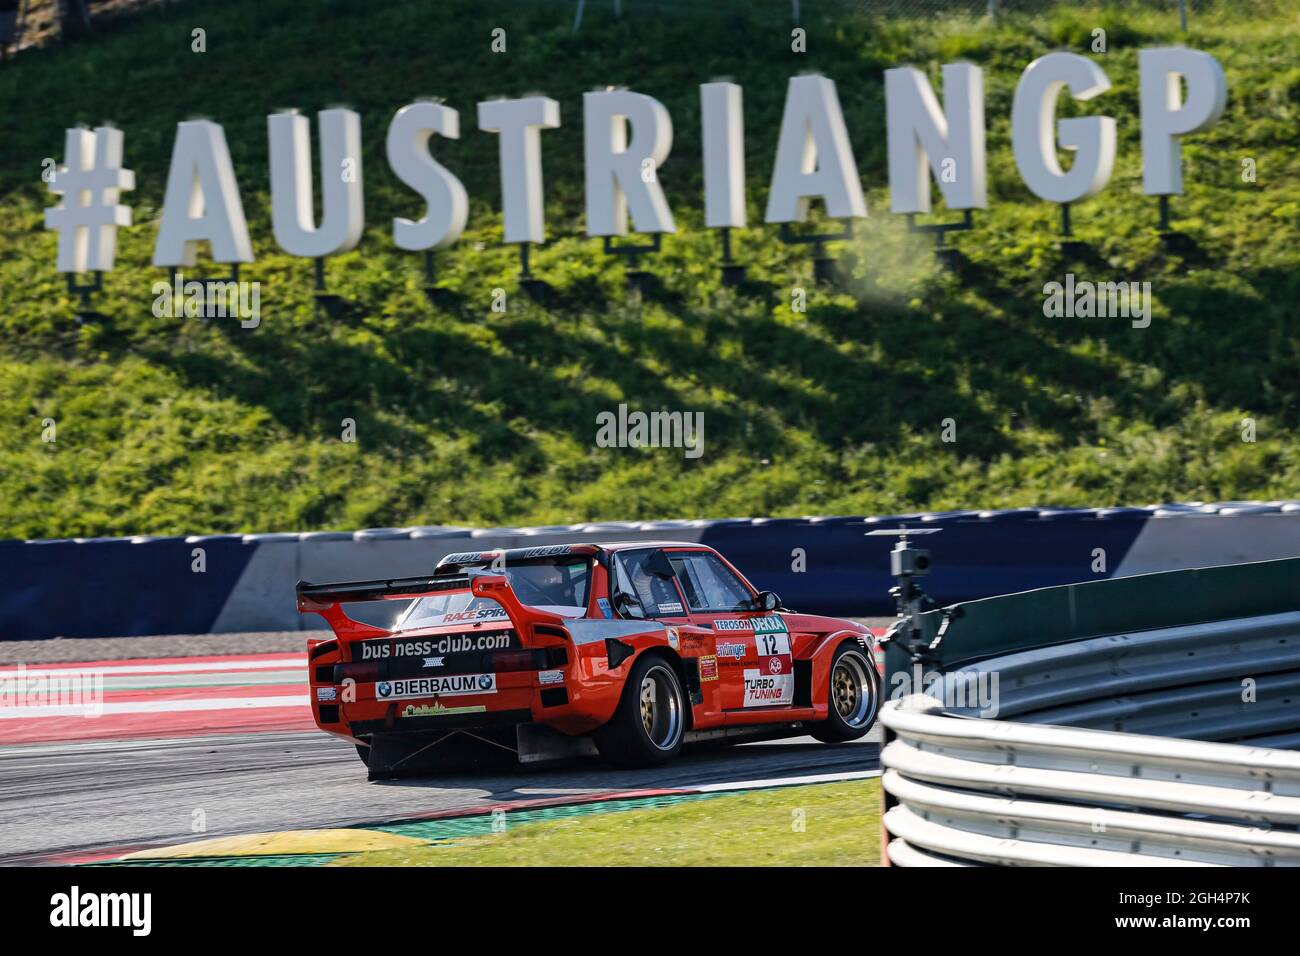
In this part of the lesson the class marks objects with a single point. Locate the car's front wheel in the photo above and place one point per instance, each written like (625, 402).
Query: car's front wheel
(650, 722)
(854, 696)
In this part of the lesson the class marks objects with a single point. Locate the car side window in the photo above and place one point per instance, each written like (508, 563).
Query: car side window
(656, 595)
(709, 585)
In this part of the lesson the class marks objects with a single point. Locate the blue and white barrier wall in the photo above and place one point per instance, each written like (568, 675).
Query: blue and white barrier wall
(225, 583)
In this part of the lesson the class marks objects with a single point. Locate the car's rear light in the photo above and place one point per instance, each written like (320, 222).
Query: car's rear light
(554, 697)
(550, 630)
(324, 647)
(529, 660)
(361, 673)
(329, 713)
(325, 674)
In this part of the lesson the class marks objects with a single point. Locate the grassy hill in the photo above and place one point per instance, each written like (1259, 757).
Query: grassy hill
(469, 416)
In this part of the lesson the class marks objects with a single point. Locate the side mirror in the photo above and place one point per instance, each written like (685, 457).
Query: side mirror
(625, 603)
(767, 601)
(660, 566)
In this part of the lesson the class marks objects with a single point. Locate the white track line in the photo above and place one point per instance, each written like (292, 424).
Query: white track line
(787, 781)
(152, 707)
(73, 747)
(125, 683)
(115, 669)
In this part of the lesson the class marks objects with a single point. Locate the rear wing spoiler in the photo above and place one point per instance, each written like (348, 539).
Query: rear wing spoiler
(314, 597)
(324, 599)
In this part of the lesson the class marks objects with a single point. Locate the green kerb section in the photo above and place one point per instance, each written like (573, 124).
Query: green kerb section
(450, 828)
(481, 824)
(1072, 612)
(288, 859)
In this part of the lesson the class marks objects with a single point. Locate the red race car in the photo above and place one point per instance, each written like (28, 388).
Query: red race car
(549, 652)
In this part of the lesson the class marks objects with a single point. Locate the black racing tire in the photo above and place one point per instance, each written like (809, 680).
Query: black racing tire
(649, 723)
(363, 751)
(853, 695)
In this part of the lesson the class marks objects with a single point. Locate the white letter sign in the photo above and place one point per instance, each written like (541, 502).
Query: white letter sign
(202, 201)
(813, 156)
(1091, 137)
(723, 127)
(920, 134)
(408, 155)
(519, 123)
(342, 209)
(624, 134)
(88, 231)
(1164, 118)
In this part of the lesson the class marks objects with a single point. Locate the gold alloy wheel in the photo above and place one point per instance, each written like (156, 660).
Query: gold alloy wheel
(661, 708)
(648, 704)
(852, 690)
(846, 692)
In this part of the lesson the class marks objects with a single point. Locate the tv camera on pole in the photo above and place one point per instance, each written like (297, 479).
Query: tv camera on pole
(906, 564)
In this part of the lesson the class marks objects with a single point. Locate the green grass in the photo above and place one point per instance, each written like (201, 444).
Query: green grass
(468, 416)
(834, 824)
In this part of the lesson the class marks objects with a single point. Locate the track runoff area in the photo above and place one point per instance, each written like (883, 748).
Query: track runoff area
(203, 758)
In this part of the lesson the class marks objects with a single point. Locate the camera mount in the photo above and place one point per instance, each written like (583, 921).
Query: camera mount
(906, 564)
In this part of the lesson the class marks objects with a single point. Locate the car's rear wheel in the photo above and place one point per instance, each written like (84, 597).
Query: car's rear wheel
(650, 722)
(854, 696)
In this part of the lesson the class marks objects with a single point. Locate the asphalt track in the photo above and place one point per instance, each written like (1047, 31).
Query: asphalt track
(71, 801)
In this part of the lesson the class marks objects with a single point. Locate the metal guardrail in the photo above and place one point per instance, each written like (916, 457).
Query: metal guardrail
(1233, 680)
(963, 791)
(1135, 721)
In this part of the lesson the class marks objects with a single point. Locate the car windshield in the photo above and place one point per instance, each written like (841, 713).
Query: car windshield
(558, 585)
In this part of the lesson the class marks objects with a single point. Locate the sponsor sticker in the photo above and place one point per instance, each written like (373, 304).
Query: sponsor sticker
(775, 661)
(439, 644)
(770, 624)
(731, 649)
(768, 690)
(437, 710)
(670, 607)
(708, 668)
(673, 640)
(523, 554)
(494, 612)
(327, 693)
(550, 677)
(770, 644)
(433, 661)
(544, 552)
(603, 604)
(463, 557)
(453, 685)
(731, 624)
